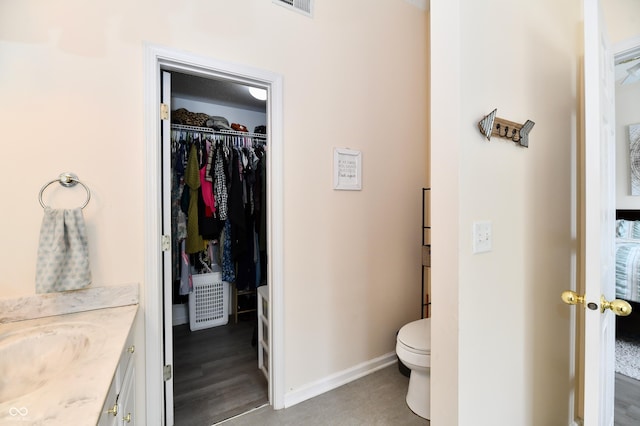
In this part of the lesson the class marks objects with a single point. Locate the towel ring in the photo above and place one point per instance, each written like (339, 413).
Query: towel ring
(67, 180)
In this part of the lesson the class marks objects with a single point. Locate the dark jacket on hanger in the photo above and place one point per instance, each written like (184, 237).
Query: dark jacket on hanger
(236, 210)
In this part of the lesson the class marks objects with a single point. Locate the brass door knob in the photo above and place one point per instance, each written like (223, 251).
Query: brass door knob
(622, 308)
(127, 418)
(572, 298)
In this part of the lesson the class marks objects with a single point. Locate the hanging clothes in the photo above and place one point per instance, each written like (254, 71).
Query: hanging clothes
(236, 208)
(195, 242)
(261, 217)
(186, 282)
(208, 224)
(220, 183)
(224, 198)
(228, 267)
(178, 218)
(206, 187)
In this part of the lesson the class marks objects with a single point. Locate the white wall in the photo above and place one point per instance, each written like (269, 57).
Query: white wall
(510, 361)
(71, 84)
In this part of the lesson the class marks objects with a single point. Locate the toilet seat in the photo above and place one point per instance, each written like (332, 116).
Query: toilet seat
(415, 337)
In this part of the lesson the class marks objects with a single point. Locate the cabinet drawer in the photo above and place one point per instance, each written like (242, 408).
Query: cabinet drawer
(127, 398)
(128, 352)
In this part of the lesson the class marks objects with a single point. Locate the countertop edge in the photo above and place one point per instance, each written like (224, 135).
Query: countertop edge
(52, 304)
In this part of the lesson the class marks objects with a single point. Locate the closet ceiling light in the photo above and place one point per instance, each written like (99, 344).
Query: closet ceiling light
(260, 94)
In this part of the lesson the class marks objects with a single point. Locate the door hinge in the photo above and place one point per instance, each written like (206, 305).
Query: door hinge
(164, 111)
(166, 242)
(166, 372)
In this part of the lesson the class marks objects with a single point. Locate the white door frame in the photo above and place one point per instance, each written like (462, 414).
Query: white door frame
(155, 59)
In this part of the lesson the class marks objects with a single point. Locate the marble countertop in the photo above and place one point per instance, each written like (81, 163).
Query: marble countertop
(57, 369)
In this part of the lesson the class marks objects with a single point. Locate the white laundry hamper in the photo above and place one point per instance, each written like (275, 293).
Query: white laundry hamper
(209, 301)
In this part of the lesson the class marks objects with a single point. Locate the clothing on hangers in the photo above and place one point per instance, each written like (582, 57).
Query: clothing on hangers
(222, 178)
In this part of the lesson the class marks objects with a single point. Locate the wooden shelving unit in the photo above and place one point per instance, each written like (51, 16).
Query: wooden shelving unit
(237, 311)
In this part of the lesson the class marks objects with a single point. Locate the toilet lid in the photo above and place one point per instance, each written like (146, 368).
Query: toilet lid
(416, 335)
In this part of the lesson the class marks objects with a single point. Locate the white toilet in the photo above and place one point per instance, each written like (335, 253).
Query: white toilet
(413, 346)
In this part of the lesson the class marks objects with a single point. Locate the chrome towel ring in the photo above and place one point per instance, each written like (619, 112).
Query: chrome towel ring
(67, 180)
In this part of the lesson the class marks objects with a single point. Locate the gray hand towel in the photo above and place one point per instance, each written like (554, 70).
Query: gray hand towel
(63, 252)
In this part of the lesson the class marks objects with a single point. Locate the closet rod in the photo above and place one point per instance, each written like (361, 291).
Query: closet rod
(217, 132)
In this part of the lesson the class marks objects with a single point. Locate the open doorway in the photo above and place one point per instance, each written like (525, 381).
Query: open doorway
(627, 93)
(218, 140)
(159, 379)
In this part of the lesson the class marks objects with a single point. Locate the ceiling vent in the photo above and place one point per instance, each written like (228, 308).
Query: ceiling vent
(303, 6)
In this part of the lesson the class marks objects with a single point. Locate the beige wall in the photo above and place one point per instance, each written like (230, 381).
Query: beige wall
(71, 80)
(511, 359)
(622, 18)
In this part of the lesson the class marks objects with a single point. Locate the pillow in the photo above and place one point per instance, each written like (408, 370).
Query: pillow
(628, 229)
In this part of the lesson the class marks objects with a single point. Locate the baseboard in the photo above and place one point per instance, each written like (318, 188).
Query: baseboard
(338, 379)
(180, 314)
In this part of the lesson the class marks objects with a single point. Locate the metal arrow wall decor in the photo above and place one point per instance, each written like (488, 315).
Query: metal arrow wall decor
(491, 125)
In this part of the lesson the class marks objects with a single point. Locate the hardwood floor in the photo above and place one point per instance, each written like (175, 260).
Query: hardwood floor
(216, 373)
(627, 391)
(627, 411)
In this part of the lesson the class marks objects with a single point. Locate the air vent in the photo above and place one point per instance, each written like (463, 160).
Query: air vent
(303, 6)
(420, 4)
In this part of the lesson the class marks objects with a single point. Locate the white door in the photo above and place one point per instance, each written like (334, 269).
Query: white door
(599, 216)
(166, 254)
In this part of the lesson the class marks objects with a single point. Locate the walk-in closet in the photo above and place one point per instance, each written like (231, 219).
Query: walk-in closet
(217, 167)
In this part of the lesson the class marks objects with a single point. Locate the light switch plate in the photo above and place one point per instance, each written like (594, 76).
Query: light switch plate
(482, 236)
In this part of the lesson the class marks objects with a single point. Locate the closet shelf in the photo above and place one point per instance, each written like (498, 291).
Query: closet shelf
(217, 132)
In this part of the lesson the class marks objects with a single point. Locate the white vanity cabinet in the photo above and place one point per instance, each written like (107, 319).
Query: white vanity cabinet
(108, 416)
(118, 409)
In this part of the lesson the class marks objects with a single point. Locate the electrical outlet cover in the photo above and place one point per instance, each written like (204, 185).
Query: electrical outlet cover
(482, 236)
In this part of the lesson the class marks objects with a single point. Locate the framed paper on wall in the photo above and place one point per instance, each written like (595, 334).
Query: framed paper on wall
(347, 169)
(634, 157)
